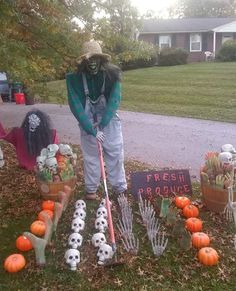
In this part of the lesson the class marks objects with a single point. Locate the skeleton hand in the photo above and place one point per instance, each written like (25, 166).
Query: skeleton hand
(100, 136)
(159, 244)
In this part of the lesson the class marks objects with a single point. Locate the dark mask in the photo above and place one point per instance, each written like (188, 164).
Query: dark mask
(93, 65)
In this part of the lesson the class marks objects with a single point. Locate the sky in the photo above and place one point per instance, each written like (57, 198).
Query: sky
(158, 6)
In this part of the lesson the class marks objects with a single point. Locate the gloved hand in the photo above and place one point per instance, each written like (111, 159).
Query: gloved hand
(100, 136)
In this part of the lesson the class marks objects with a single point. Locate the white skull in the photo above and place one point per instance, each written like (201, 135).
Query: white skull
(101, 224)
(80, 204)
(51, 164)
(98, 239)
(79, 212)
(103, 203)
(40, 161)
(65, 150)
(77, 224)
(228, 148)
(72, 258)
(102, 211)
(2, 162)
(226, 158)
(52, 150)
(44, 152)
(104, 253)
(75, 240)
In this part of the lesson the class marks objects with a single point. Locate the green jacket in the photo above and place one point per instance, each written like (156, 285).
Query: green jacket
(77, 98)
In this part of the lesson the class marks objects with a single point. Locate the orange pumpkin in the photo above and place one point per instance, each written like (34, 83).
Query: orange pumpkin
(49, 212)
(208, 256)
(193, 224)
(23, 243)
(200, 240)
(190, 211)
(48, 205)
(14, 263)
(38, 228)
(181, 201)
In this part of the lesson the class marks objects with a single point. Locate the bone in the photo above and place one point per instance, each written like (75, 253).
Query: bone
(159, 244)
(152, 228)
(131, 244)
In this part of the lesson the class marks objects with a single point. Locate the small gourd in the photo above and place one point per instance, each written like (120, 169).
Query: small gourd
(200, 240)
(190, 211)
(49, 212)
(181, 201)
(23, 243)
(48, 205)
(208, 256)
(193, 224)
(14, 263)
(38, 228)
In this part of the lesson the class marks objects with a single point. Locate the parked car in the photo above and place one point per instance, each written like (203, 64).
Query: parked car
(5, 88)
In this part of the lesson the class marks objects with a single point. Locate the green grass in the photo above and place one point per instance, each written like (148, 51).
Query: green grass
(177, 269)
(200, 90)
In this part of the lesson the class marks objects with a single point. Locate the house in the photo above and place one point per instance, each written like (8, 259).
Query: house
(201, 37)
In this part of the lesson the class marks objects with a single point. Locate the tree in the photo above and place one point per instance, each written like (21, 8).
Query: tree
(38, 39)
(204, 8)
(120, 17)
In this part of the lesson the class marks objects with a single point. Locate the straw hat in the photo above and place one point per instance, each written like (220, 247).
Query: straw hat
(91, 49)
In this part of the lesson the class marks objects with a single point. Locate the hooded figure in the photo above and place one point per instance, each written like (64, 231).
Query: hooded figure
(34, 134)
(94, 95)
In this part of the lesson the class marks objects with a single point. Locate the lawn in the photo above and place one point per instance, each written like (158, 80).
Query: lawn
(200, 90)
(177, 269)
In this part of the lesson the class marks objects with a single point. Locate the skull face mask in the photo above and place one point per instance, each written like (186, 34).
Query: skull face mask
(93, 65)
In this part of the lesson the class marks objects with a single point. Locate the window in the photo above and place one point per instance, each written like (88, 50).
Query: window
(228, 36)
(195, 42)
(164, 41)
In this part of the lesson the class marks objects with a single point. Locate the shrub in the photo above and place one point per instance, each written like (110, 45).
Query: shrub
(227, 52)
(131, 54)
(172, 57)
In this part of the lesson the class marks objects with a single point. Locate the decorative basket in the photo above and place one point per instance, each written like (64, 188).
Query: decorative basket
(215, 198)
(49, 190)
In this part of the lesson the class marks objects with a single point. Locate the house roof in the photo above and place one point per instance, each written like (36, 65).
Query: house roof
(183, 25)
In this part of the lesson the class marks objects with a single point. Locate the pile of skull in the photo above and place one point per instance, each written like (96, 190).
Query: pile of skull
(75, 240)
(2, 162)
(105, 251)
(56, 163)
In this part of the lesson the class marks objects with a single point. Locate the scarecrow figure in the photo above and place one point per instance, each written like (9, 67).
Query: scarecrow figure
(94, 95)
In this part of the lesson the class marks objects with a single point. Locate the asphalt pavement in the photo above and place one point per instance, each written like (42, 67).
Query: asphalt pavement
(161, 141)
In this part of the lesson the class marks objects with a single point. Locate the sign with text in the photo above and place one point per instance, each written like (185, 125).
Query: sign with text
(161, 183)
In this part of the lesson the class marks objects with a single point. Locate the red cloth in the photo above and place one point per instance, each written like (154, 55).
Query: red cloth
(16, 137)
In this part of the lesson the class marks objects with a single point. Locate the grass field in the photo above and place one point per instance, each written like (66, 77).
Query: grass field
(200, 90)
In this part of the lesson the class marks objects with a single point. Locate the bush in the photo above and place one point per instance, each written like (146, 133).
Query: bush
(130, 54)
(172, 57)
(227, 52)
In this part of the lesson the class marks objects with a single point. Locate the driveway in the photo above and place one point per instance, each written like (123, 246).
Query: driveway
(162, 141)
